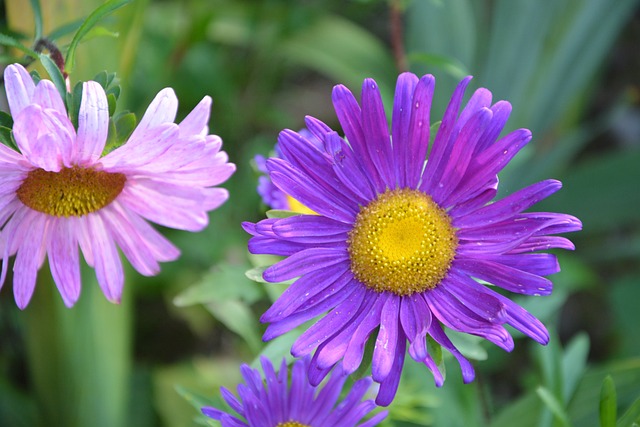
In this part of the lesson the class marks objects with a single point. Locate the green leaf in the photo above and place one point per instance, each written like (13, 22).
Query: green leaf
(280, 213)
(6, 120)
(56, 75)
(435, 350)
(93, 18)
(111, 100)
(65, 30)
(631, 415)
(237, 317)
(608, 403)
(221, 284)
(554, 405)
(125, 124)
(6, 137)
(11, 42)
(574, 363)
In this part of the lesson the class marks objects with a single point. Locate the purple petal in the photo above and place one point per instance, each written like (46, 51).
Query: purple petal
(384, 352)
(415, 318)
(376, 132)
(347, 168)
(506, 277)
(308, 291)
(509, 206)
(31, 232)
(487, 164)
(349, 115)
(419, 131)
(403, 108)
(355, 351)
(299, 317)
(474, 296)
(389, 386)
(455, 166)
(304, 262)
(311, 229)
(436, 332)
(304, 189)
(326, 327)
(441, 145)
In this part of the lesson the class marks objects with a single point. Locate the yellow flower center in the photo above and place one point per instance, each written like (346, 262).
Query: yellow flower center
(296, 206)
(73, 191)
(402, 242)
(292, 424)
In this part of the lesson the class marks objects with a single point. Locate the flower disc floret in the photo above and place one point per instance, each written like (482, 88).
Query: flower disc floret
(73, 191)
(292, 424)
(402, 242)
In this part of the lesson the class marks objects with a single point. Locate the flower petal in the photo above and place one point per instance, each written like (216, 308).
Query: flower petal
(64, 260)
(19, 88)
(93, 124)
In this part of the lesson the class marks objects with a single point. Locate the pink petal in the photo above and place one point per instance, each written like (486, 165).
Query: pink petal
(162, 110)
(196, 122)
(93, 124)
(107, 261)
(47, 96)
(31, 233)
(19, 87)
(45, 137)
(64, 260)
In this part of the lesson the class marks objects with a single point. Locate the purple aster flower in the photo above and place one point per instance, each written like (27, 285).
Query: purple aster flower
(59, 193)
(271, 195)
(275, 403)
(399, 243)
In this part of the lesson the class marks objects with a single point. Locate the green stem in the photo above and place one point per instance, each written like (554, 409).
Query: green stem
(79, 358)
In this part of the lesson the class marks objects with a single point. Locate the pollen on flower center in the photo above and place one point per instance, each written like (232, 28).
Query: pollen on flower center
(292, 424)
(73, 191)
(402, 242)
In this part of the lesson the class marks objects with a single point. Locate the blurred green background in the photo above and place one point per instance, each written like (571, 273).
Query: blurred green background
(571, 69)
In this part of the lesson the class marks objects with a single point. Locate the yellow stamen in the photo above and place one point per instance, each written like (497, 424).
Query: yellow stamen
(402, 242)
(292, 424)
(73, 191)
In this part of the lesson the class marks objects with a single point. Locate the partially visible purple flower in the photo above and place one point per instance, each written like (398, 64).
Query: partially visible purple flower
(59, 193)
(404, 233)
(276, 402)
(271, 195)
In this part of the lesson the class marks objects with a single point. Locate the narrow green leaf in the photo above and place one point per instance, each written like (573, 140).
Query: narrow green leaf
(65, 30)
(574, 363)
(101, 79)
(37, 15)
(56, 75)
(11, 42)
(95, 16)
(435, 350)
(554, 405)
(631, 415)
(608, 401)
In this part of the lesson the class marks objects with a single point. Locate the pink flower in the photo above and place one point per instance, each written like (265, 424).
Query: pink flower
(60, 193)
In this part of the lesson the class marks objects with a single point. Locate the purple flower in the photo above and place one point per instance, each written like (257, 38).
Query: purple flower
(399, 243)
(271, 195)
(60, 193)
(275, 403)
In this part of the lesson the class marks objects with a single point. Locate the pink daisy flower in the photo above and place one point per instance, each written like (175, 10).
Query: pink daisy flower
(60, 193)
